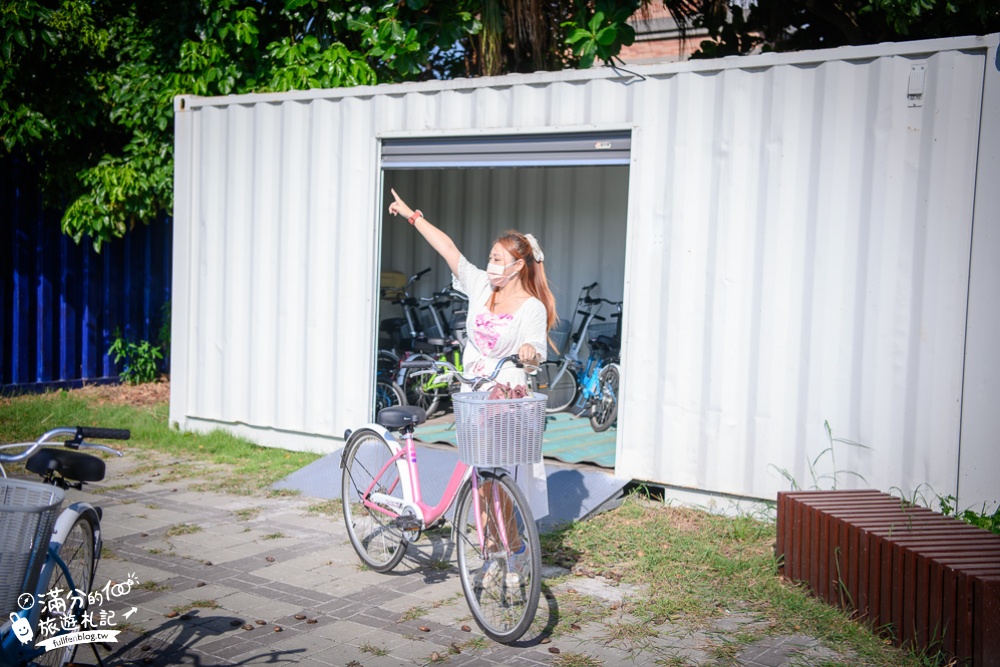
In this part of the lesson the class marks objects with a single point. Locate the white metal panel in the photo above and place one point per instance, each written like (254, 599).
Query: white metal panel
(806, 233)
(797, 250)
(978, 481)
(276, 283)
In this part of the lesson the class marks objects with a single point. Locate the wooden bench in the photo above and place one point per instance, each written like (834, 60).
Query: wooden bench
(928, 580)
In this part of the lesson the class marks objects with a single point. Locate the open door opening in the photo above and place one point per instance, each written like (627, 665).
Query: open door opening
(570, 191)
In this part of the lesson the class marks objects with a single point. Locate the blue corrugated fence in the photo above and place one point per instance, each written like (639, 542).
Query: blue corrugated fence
(61, 303)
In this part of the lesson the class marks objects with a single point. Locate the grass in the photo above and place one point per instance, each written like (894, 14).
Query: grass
(373, 649)
(183, 529)
(240, 467)
(688, 566)
(326, 507)
(692, 568)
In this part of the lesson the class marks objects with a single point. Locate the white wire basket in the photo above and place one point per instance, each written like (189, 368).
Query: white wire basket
(28, 512)
(499, 432)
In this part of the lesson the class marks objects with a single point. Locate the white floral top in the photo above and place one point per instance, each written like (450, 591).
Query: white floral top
(494, 336)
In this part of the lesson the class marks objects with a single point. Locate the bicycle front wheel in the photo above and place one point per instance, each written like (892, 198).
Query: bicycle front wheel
(560, 388)
(78, 553)
(605, 408)
(500, 567)
(374, 530)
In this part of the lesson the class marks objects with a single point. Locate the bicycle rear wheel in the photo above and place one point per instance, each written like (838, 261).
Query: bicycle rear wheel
(605, 408)
(377, 537)
(501, 576)
(78, 553)
(561, 389)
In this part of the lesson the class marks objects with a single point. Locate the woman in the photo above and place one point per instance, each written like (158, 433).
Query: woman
(511, 310)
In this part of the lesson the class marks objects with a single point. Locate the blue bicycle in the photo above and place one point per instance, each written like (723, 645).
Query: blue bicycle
(48, 558)
(589, 385)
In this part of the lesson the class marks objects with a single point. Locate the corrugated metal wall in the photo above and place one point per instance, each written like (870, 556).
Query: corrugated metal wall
(61, 303)
(806, 233)
(797, 251)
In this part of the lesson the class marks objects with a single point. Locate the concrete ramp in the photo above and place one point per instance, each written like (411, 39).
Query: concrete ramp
(575, 491)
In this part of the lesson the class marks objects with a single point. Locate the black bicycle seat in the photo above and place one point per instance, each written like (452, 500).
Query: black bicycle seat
(399, 416)
(77, 466)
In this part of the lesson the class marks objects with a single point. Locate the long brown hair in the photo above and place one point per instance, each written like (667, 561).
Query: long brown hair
(533, 275)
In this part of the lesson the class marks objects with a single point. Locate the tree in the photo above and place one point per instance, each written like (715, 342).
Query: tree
(738, 27)
(86, 95)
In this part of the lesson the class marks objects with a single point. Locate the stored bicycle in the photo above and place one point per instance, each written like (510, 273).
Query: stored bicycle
(45, 553)
(590, 385)
(498, 552)
(429, 389)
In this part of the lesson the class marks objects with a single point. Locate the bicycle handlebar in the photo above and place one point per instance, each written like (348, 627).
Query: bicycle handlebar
(78, 434)
(416, 276)
(431, 364)
(103, 433)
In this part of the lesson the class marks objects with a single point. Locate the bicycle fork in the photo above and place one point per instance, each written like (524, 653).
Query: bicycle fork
(502, 517)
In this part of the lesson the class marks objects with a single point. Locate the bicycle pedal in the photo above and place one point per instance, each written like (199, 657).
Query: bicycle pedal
(407, 524)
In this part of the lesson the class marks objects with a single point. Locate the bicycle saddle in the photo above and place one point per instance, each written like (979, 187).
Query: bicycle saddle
(77, 466)
(399, 416)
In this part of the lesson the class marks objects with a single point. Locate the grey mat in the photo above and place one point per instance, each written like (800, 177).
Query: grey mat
(575, 492)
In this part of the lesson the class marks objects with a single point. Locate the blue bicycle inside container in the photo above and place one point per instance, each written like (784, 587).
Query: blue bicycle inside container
(588, 386)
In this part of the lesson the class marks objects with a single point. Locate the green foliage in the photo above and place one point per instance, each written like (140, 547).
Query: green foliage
(824, 476)
(981, 519)
(736, 27)
(604, 34)
(88, 86)
(141, 359)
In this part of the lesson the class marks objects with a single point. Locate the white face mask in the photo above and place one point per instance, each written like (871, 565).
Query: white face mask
(496, 273)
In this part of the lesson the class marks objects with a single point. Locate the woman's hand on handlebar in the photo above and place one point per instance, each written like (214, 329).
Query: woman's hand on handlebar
(527, 354)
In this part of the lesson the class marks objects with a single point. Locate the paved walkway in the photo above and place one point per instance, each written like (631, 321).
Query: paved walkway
(230, 580)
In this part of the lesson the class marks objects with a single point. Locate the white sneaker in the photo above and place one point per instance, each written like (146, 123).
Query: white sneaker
(488, 577)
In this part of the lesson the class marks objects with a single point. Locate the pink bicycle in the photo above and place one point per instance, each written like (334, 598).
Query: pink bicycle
(499, 558)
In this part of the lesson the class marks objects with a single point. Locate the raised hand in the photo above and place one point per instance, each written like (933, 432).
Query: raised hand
(399, 206)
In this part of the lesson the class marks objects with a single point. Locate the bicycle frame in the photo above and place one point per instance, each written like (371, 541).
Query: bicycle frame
(444, 379)
(571, 360)
(405, 459)
(589, 381)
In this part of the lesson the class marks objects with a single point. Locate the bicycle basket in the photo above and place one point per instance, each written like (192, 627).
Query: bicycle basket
(28, 512)
(499, 432)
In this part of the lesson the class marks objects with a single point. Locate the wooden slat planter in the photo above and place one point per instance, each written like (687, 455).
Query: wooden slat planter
(932, 581)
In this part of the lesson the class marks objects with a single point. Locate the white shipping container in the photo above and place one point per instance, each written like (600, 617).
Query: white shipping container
(800, 239)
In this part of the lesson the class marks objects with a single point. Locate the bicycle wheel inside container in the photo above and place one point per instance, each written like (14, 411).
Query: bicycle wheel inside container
(388, 394)
(420, 390)
(605, 409)
(78, 553)
(501, 576)
(375, 535)
(561, 389)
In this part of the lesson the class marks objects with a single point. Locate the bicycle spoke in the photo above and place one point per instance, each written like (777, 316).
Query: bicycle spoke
(374, 535)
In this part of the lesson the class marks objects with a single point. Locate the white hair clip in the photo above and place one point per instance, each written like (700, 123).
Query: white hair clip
(536, 250)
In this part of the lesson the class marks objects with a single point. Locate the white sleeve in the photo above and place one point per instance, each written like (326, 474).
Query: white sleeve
(469, 280)
(533, 327)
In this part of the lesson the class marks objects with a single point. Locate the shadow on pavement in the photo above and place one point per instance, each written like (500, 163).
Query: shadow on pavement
(172, 643)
